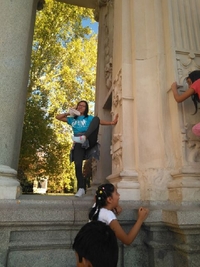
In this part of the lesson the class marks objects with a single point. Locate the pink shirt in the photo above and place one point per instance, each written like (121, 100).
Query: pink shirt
(196, 87)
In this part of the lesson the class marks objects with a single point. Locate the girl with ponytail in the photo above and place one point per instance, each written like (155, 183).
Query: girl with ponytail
(106, 208)
(193, 90)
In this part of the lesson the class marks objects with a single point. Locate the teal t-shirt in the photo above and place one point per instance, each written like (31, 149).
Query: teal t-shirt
(80, 124)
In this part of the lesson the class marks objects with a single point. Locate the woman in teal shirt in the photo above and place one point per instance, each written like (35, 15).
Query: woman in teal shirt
(85, 128)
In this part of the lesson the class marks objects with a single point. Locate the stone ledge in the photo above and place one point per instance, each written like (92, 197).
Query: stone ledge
(41, 229)
(38, 245)
(37, 209)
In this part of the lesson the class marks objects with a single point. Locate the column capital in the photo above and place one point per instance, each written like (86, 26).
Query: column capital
(103, 2)
(100, 4)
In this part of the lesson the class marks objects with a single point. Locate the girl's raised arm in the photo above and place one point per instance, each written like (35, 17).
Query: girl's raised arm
(183, 96)
(125, 238)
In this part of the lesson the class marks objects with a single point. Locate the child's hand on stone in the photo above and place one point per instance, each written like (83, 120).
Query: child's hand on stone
(142, 213)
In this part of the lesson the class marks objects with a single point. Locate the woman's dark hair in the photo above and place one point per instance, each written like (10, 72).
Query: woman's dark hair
(86, 108)
(97, 243)
(103, 192)
(194, 75)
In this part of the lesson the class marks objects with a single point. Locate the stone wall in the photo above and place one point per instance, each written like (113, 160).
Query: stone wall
(39, 231)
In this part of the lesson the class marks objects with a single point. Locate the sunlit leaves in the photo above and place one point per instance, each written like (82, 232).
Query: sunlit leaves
(63, 68)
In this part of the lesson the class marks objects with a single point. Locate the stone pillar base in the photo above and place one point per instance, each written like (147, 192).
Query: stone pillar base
(9, 185)
(155, 194)
(184, 187)
(127, 184)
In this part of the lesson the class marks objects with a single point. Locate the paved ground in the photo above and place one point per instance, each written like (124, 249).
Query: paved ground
(63, 200)
(54, 196)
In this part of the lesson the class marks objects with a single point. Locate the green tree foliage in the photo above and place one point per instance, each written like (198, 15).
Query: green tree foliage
(63, 70)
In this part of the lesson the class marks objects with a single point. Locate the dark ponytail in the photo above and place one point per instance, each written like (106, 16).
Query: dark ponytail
(195, 99)
(103, 192)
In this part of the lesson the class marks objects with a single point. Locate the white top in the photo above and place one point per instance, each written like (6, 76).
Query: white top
(106, 216)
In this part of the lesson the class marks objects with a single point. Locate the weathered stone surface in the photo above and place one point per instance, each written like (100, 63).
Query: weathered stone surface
(38, 231)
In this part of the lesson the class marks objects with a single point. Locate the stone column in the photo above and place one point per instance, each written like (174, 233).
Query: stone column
(103, 103)
(141, 150)
(155, 156)
(182, 26)
(124, 174)
(16, 31)
(150, 130)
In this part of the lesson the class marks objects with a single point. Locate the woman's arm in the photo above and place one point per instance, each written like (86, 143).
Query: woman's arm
(114, 122)
(183, 96)
(62, 117)
(125, 238)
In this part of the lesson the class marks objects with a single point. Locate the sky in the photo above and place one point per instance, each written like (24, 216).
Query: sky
(94, 26)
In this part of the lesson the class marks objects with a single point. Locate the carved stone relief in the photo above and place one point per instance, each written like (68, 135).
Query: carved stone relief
(107, 35)
(108, 73)
(99, 4)
(116, 138)
(102, 2)
(117, 90)
(116, 152)
(117, 159)
(116, 148)
(156, 177)
(187, 62)
(108, 44)
(187, 43)
(194, 151)
(154, 182)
